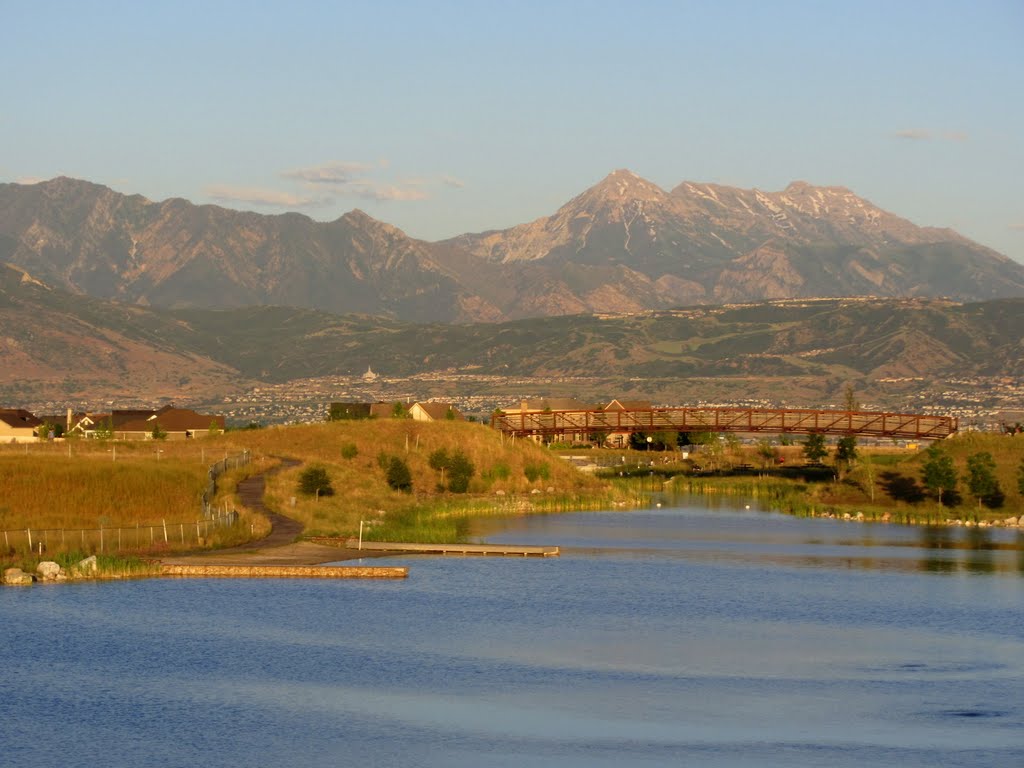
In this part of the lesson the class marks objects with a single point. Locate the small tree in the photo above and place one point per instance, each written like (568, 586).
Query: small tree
(982, 481)
(766, 452)
(846, 452)
(814, 448)
(214, 429)
(399, 411)
(398, 476)
(460, 472)
(850, 402)
(158, 433)
(105, 429)
(314, 481)
(938, 474)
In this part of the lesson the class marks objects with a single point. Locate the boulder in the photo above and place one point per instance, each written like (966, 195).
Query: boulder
(86, 566)
(15, 577)
(48, 570)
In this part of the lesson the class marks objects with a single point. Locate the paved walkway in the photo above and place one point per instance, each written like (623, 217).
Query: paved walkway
(279, 547)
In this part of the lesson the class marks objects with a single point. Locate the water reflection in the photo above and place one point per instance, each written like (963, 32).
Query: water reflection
(735, 531)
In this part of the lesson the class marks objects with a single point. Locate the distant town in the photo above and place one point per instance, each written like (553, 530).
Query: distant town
(980, 403)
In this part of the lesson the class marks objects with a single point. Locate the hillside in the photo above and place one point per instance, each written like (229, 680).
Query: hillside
(624, 245)
(75, 347)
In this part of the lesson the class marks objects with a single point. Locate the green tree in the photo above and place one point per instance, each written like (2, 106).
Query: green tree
(399, 411)
(938, 473)
(460, 472)
(214, 429)
(398, 476)
(105, 429)
(982, 481)
(814, 448)
(314, 481)
(438, 460)
(158, 433)
(846, 450)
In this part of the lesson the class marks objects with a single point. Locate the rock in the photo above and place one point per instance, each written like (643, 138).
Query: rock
(551, 489)
(15, 577)
(87, 566)
(535, 490)
(860, 515)
(48, 570)
(499, 492)
(1012, 521)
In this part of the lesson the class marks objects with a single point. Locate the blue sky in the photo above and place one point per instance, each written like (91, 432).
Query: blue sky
(446, 117)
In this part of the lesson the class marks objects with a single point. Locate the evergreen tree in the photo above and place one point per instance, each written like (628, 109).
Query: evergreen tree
(398, 476)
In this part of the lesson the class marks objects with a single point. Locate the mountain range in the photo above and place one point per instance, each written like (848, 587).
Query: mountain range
(624, 245)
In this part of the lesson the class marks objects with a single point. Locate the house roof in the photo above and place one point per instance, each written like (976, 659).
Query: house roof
(557, 404)
(628, 405)
(19, 418)
(169, 418)
(439, 411)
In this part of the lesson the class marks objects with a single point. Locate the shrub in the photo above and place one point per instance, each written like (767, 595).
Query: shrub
(536, 472)
(349, 451)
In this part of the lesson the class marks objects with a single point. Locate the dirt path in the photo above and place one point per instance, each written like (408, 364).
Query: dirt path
(279, 547)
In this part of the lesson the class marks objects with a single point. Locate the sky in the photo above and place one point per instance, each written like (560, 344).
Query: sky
(449, 117)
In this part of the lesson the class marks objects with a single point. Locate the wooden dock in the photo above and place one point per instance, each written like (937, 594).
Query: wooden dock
(482, 550)
(284, 571)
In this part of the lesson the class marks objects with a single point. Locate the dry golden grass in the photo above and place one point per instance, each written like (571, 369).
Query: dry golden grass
(359, 482)
(54, 491)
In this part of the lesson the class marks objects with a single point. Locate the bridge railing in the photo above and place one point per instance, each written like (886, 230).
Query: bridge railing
(706, 419)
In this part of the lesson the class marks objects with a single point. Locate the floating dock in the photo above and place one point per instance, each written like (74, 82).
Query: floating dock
(284, 571)
(482, 550)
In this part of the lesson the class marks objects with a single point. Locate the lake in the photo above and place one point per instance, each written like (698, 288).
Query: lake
(700, 634)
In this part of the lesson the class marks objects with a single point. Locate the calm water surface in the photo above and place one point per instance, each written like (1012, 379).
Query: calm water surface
(676, 636)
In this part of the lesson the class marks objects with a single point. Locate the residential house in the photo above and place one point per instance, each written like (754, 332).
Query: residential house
(348, 411)
(435, 412)
(18, 426)
(541, 410)
(617, 438)
(176, 423)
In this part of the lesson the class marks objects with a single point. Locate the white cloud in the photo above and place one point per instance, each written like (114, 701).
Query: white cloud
(923, 134)
(913, 134)
(334, 172)
(29, 180)
(1018, 226)
(381, 191)
(451, 181)
(227, 193)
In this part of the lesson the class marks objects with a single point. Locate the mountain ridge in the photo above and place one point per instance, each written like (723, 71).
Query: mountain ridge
(624, 244)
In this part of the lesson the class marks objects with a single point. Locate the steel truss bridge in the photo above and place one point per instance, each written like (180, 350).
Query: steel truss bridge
(583, 423)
